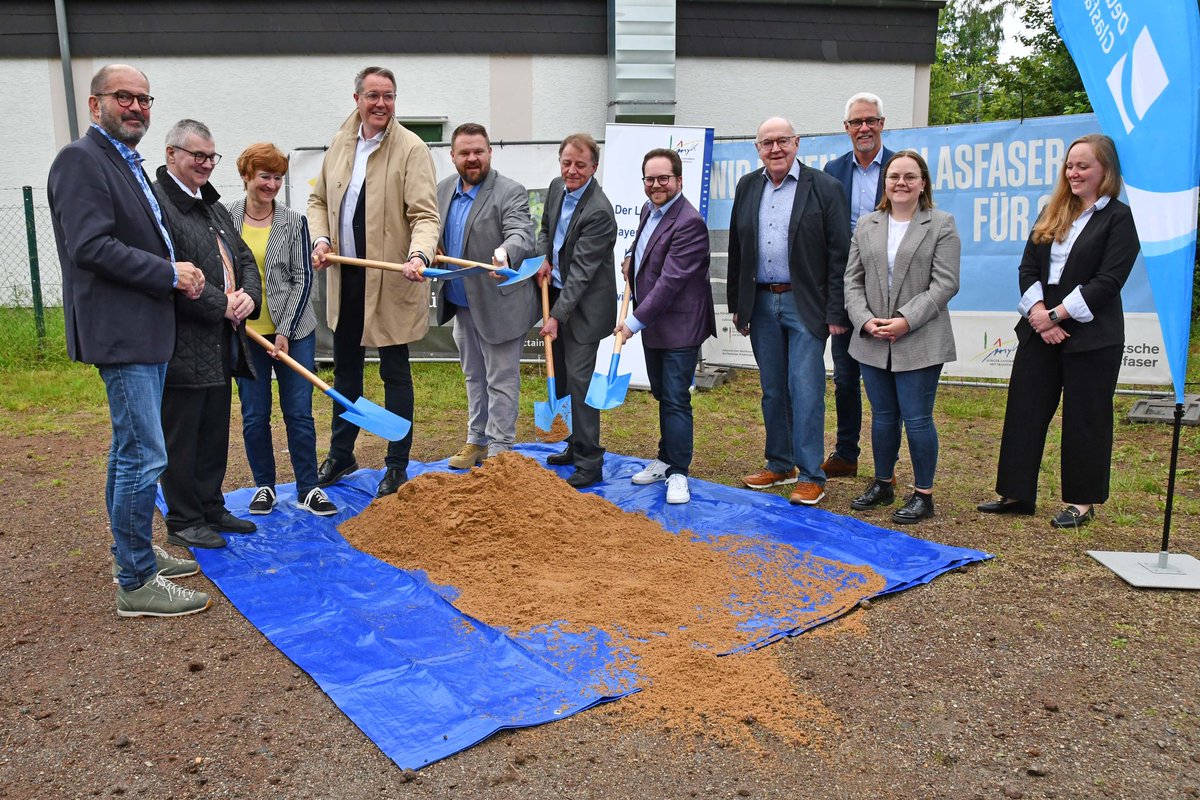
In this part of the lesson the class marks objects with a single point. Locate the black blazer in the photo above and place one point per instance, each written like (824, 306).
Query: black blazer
(818, 244)
(842, 168)
(117, 275)
(1099, 263)
(587, 304)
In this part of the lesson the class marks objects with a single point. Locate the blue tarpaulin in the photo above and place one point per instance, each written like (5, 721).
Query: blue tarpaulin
(423, 680)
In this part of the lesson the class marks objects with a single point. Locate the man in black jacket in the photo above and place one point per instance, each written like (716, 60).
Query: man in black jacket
(210, 341)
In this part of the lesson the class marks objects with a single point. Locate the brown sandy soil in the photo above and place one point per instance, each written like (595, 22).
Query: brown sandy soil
(1037, 675)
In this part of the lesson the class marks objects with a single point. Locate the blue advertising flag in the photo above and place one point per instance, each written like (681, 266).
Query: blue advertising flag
(1140, 64)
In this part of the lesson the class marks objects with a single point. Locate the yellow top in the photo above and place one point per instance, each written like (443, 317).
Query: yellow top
(256, 240)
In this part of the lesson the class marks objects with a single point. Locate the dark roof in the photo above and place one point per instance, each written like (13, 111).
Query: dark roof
(828, 30)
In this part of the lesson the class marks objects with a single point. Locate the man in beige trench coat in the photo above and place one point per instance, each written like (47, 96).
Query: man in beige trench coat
(375, 197)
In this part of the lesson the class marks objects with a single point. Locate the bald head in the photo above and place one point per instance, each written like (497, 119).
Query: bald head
(116, 103)
(776, 144)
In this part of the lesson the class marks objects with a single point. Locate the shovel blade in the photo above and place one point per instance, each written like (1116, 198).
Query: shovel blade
(436, 274)
(528, 267)
(371, 418)
(544, 413)
(605, 393)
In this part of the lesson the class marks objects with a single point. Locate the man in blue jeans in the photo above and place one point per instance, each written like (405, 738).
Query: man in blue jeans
(861, 174)
(119, 278)
(788, 243)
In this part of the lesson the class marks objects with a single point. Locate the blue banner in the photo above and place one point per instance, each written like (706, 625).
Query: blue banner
(993, 177)
(1140, 66)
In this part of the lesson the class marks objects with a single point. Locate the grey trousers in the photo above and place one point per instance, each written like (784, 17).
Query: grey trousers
(493, 375)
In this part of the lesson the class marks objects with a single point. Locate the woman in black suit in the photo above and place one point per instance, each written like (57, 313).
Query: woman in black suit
(1070, 337)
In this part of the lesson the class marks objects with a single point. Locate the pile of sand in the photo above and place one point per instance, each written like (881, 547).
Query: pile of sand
(525, 549)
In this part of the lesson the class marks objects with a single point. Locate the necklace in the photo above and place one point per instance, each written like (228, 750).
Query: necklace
(263, 218)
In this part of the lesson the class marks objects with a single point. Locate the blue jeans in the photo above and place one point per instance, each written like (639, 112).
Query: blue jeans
(136, 458)
(295, 401)
(903, 397)
(671, 373)
(847, 397)
(791, 371)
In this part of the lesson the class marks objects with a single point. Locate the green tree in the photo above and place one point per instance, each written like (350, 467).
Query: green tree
(964, 73)
(1044, 81)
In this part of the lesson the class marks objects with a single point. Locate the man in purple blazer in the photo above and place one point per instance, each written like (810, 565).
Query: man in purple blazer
(667, 266)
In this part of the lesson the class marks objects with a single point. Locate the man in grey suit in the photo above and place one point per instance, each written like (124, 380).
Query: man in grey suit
(120, 277)
(484, 213)
(788, 241)
(578, 233)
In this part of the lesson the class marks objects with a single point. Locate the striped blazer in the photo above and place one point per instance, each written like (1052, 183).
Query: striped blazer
(287, 271)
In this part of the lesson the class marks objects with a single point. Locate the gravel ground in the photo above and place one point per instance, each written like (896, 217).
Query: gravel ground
(1036, 675)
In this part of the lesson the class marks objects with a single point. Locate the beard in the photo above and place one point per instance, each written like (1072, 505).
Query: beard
(122, 126)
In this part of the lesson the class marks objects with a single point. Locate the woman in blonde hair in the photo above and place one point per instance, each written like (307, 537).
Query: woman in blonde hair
(278, 238)
(1070, 337)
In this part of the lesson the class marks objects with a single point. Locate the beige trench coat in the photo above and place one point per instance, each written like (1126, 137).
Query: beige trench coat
(402, 220)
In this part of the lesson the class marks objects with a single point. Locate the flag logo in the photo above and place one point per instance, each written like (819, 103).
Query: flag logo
(1136, 89)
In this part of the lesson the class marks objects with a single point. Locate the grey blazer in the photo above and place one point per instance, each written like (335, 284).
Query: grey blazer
(499, 216)
(924, 278)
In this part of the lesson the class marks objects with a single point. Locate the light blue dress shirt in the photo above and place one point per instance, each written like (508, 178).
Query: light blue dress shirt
(656, 215)
(774, 216)
(569, 204)
(864, 184)
(134, 159)
(456, 234)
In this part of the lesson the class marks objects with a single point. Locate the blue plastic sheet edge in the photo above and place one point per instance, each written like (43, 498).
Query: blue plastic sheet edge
(424, 681)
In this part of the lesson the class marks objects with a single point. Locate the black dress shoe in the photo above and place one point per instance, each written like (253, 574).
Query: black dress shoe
(917, 508)
(231, 524)
(1072, 517)
(564, 459)
(196, 536)
(1007, 506)
(585, 477)
(879, 493)
(393, 479)
(330, 472)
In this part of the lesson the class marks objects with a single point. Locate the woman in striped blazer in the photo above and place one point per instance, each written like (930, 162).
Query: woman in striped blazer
(278, 237)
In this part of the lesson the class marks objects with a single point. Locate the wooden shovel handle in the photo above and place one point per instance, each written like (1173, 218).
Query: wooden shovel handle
(463, 262)
(285, 358)
(545, 322)
(365, 262)
(621, 320)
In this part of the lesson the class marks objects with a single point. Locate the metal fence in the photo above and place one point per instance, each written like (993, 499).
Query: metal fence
(31, 320)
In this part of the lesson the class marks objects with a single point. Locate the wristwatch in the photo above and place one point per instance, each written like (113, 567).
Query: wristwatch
(1053, 314)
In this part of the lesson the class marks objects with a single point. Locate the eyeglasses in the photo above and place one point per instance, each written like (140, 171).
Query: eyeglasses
(201, 158)
(661, 180)
(375, 97)
(125, 99)
(858, 122)
(894, 178)
(769, 144)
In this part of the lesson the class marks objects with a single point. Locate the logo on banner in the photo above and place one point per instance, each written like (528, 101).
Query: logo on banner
(1145, 82)
(685, 149)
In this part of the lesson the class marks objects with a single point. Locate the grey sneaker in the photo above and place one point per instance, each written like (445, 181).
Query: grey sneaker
(158, 597)
(168, 566)
(263, 500)
(318, 503)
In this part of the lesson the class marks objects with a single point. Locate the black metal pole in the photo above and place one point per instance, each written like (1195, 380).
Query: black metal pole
(1166, 537)
(35, 280)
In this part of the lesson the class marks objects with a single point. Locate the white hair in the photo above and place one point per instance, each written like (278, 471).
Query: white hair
(864, 97)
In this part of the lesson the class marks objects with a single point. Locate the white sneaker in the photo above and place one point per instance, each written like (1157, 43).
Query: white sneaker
(654, 472)
(677, 489)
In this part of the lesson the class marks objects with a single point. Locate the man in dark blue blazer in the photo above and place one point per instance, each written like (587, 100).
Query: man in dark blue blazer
(119, 278)
(673, 308)
(788, 242)
(860, 172)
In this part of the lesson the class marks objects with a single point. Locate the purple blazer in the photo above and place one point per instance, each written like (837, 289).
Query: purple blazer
(672, 295)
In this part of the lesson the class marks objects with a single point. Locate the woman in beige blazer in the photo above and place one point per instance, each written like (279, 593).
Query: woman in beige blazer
(902, 272)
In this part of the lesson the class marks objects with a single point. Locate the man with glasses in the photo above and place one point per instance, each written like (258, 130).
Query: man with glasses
(120, 281)
(860, 172)
(210, 340)
(667, 268)
(577, 237)
(375, 197)
(788, 242)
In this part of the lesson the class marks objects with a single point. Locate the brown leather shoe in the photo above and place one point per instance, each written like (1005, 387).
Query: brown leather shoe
(808, 494)
(766, 479)
(837, 467)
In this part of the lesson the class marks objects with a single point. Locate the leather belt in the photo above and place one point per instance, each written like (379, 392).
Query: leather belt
(774, 288)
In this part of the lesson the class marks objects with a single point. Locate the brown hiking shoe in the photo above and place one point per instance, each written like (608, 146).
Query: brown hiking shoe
(766, 479)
